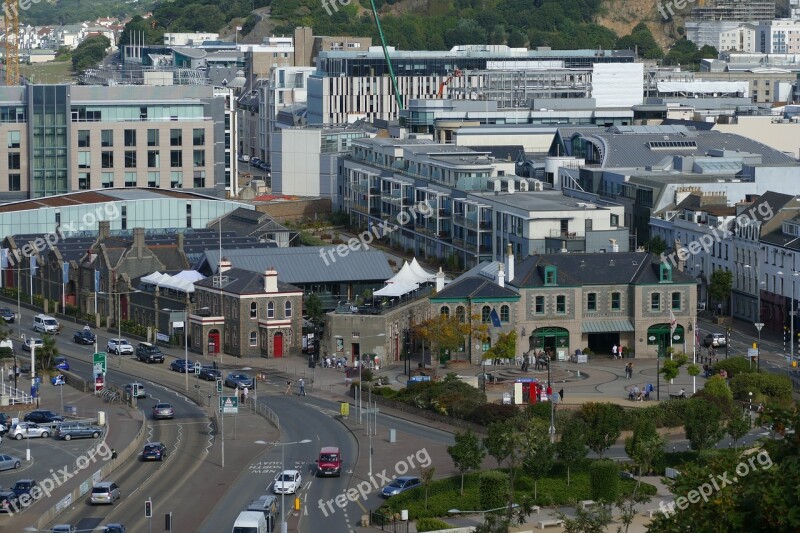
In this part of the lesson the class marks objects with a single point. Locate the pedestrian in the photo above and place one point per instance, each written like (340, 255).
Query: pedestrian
(241, 397)
(288, 387)
(214, 365)
(614, 351)
(245, 392)
(302, 387)
(622, 352)
(561, 395)
(113, 453)
(11, 375)
(630, 370)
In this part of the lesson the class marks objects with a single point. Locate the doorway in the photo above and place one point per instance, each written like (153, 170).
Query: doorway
(601, 343)
(278, 340)
(213, 341)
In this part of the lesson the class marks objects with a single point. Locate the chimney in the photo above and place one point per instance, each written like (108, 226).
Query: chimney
(138, 241)
(180, 241)
(271, 280)
(510, 263)
(614, 245)
(439, 280)
(224, 265)
(104, 229)
(501, 275)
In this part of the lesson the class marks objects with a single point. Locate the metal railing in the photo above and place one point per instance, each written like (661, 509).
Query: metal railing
(386, 522)
(15, 396)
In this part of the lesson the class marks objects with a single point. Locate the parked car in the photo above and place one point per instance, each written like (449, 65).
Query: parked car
(5, 423)
(119, 347)
(105, 492)
(62, 363)
(78, 431)
(23, 486)
(8, 501)
(32, 341)
(42, 416)
(244, 158)
(264, 166)
(114, 528)
(400, 485)
(287, 482)
(154, 451)
(163, 410)
(715, 340)
(138, 393)
(238, 381)
(149, 353)
(46, 324)
(64, 528)
(209, 373)
(8, 315)
(254, 161)
(29, 430)
(84, 336)
(181, 365)
(8, 462)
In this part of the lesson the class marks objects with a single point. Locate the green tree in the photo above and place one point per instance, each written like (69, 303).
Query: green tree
(504, 348)
(442, 333)
(703, 424)
(669, 369)
(467, 453)
(737, 427)
(426, 475)
(645, 446)
(46, 353)
(90, 52)
(571, 448)
(539, 451)
(603, 425)
(314, 307)
(656, 245)
(504, 442)
(720, 284)
(144, 31)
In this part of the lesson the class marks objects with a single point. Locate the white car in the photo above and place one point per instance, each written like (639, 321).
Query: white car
(119, 347)
(287, 482)
(29, 430)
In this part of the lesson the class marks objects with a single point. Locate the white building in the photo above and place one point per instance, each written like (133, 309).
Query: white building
(287, 86)
(189, 38)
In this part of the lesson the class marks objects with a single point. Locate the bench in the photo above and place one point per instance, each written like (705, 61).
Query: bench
(677, 396)
(587, 503)
(547, 523)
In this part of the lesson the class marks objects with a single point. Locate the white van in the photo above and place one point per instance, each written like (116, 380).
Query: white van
(250, 522)
(46, 324)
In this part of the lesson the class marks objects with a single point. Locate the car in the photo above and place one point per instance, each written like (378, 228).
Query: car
(254, 161)
(75, 430)
(23, 486)
(37, 343)
(162, 411)
(149, 353)
(287, 482)
(180, 365)
(715, 340)
(209, 373)
(9, 462)
(154, 451)
(114, 528)
(238, 381)
(244, 158)
(7, 315)
(84, 336)
(119, 347)
(264, 166)
(139, 392)
(5, 423)
(8, 502)
(400, 485)
(46, 324)
(29, 430)
(42, 416)
(105, 492)
(62, 363)
(64, 528)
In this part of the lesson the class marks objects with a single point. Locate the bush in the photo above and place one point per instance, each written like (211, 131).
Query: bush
(490, 413)
(587, 351)
(735, 366)
(493, 489)
(604, 481)
(431, 524)
(771, 385)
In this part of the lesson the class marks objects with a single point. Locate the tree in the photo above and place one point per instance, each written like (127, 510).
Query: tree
(504, 348)
(720, 284)
(571, 448)
(670, 370)
(314, 307)
(47, 352)
(90, 52)
(539, 451)
(144, 31)
(426, 475)
(657, 245)
(442, 332)
(702, 424)
(603, 425)
(737, 427)
(645, 446)
(467, 453)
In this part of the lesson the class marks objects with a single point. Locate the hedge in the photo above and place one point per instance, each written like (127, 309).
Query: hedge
(604, 481)
(431, 524)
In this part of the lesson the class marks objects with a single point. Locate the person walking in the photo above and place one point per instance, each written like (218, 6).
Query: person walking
(288, 387)
(302, 387)
(630, 370)
(614, 351)
(245, 392)
(622, 352)
(561, 395)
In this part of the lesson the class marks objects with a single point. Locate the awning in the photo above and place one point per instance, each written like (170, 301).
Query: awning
(606, 326)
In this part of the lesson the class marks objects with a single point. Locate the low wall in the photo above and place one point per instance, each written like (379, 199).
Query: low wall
(430, 415)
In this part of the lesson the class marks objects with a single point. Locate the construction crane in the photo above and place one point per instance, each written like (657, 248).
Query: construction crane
(11, 20)
(455, 74)
(386, 56)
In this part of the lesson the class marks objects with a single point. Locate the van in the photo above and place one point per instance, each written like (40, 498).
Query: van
(329, 462)
(250, 522)
(46, 324)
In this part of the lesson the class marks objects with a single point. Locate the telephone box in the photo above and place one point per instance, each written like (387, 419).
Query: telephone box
(526, 391)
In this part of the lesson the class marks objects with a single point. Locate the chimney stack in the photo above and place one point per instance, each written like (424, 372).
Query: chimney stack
(501, 275)
(103, 229)
(271, 280)
(510, 263)
(439, 280)
(614, 245)
(138, 241)
(224, 265)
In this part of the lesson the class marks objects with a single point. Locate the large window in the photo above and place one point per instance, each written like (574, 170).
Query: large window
(154, 179)
(130, 138)
(152, 137)
(107, 159)
(199, 158)
(13, 139)
(107, 179)
(83, 139)
(253, 338)
(486, 313)
(14, 161)
(591, 301)
(153, 158)
(561, 304)
(130, 179)
(444, 311)
(84, 181)
(175, 158)
(175, 137)
(130, 159)
(288, 309)
(539, 305)
(676, 301)
(616, 301)
(199, 137)
(176, 179)
(199, 179)
(14, 182)
(460, 314)
(655, 302)
(106, 138)
(505, 313)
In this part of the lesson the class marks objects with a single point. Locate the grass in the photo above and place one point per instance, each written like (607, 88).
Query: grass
(51, 72)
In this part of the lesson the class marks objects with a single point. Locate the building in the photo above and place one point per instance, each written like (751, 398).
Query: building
(308, 46)
(189, 38)
(252, 223)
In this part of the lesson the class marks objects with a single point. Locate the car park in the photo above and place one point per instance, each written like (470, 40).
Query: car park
(9, 462)
(32, 341)
(78, 431)
(23, 487)
(136, 390)
(715, 340)
(42, 416)
(84, 336)
(238, 381)
(154, 451)
(163, 411)
(119, 347)
(400, 485)
(149, 353)
(29, 430)
(287, 482)
(7, 315)
(209, 373)
(106, 492)
(62, 363)
(181, 365)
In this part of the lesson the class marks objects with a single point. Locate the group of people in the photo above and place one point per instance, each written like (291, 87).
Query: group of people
(629, 371)
(638, 395)
(334, 362)
(301, 386)
(618, 352)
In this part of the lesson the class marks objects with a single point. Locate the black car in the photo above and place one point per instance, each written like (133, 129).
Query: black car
(42, 416)
(154, 451)
(7, 315)
(23, 486)
(84, 336)
(209, 373)
(149, 353)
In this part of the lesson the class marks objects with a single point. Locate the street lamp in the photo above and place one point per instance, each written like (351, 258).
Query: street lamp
(185, 343)
(792, 314)
(283, 445)
(758, 324)
(360, 365)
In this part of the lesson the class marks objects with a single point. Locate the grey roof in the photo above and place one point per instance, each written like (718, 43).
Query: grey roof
(248, 222)
(501, 152)
(307, 264)
(241, 281)
(474, 288)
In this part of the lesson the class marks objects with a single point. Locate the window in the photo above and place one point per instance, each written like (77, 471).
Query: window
(505, 313)
(107, 138)
(539, 305)
(253, 339)
(107, 179)
(175, 137)
(176, 179)
(288, 309)
(13, 139)
(616, 301)
(199, 137)
(665, 273)
(486, 312)
(130, 137)
(676, 301)
(84, 159)
(614, 221)
(199, 158)
(14, 161)
(550, 275)
(153, 158)
(561, 304)
(176, 158)
(130, 159)
(253, 310)
(107, 159)
(655, 302)
(130, 179)
(154, 179)
(152, 137)
(83, 139)
(84, 181)
(199, 179)
(444, 311)
(591, 301)
(271, 310)
(460, 315)
(14, 182)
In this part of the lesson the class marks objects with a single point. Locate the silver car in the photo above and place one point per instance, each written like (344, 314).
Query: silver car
(29, 430)
(8, 462)
(105, 492)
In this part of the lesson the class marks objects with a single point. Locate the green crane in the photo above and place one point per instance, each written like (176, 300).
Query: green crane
(386, 55)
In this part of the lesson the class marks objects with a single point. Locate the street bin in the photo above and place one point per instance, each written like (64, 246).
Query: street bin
(5, 400)
(101, 418)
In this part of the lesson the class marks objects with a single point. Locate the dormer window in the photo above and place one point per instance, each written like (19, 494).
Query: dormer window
(664, 273)
(550, 276)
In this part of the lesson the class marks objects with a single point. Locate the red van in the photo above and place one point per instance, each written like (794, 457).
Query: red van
(329, 462)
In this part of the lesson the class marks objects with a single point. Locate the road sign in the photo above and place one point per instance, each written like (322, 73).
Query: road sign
(197, 368)
(100, 358)
(752, 353)
(229, 405)
(98, 369)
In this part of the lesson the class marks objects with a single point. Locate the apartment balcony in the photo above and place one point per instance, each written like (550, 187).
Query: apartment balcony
(565, 235)
(443, 213)
(429, 231)
(466, 245)
(360, 209)
(465, 222)
(485, 225)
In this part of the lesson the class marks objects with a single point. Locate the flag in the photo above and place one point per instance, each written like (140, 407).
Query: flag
(495, 318)
(673, 323)
(33, 265)
(66, 273)
(96, 281)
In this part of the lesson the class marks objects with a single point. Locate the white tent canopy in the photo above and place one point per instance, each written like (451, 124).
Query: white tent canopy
(182, 281)
(421, 273)
(397, 289)
(406, 275)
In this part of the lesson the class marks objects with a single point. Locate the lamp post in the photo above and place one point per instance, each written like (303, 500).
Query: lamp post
(792, 314)
(483, 513)
(283, 445)
(360, 365)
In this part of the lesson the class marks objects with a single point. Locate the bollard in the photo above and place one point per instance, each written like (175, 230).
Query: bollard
(392, 435)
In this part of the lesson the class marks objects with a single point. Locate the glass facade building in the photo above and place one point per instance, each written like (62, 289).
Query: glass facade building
(48, 107)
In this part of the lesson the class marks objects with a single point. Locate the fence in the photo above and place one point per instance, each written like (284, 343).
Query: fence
(387, 523)
(15, 396)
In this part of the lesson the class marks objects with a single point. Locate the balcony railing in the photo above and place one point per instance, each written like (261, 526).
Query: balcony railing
(567, 235)
(465, 222)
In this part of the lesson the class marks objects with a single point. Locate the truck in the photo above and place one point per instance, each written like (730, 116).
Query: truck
(250, 522)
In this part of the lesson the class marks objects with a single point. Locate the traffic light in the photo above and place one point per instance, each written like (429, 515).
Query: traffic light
(148, 508)
(219, 386)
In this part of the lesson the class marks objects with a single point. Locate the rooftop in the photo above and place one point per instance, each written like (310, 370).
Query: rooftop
(96, 197)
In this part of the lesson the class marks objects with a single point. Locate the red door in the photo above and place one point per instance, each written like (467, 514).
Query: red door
(278, 351)
(213, 342)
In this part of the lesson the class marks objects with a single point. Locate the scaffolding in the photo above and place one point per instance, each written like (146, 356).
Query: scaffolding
(138, 75)
(517, 88)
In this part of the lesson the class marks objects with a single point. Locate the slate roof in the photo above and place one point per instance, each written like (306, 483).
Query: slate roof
(475, 288)
(624, 268)
(248, 222)
(241, 281)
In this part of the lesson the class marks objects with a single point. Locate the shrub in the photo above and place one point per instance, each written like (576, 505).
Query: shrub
(587, 351)
(489, 413)
(432, 524)
(604, 480)
(771, 385)
(735, 366)
(494, 489)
